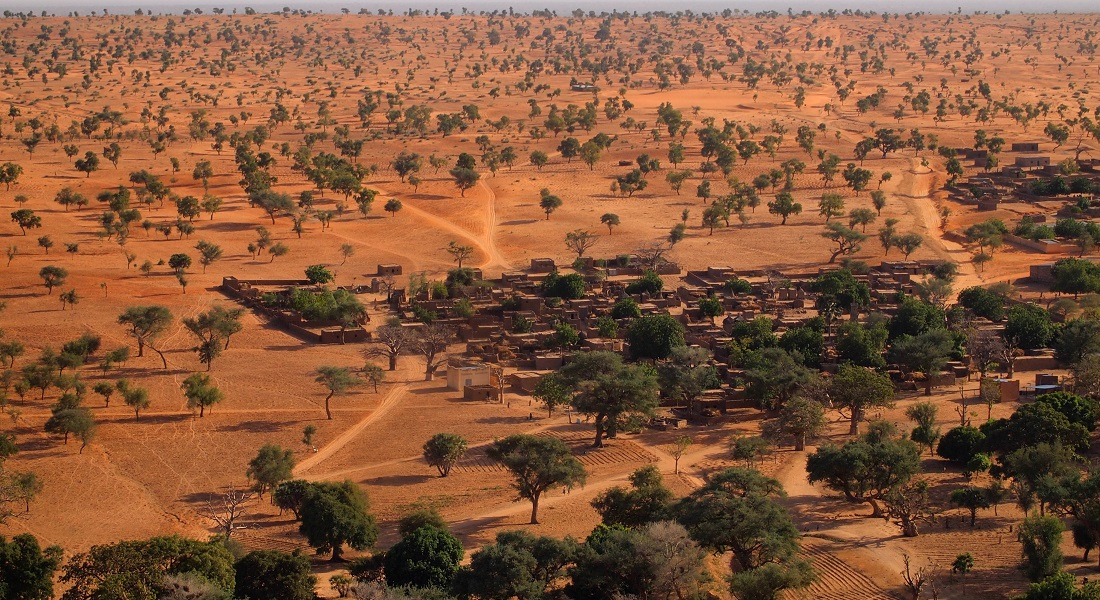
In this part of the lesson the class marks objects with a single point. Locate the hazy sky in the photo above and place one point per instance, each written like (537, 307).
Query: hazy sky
(564, 6)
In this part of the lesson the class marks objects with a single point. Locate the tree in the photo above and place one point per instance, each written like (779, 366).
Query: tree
(319, 274)
(427, 557)
(465, 179)
(213, 329)
(77, 421)
(443, 451)
(857, 390)
(335, 514)
(848, 241)
(908, 243)
(1079, 498)
(271, 466)
(200, 391)
(135, 397)
(983, 302)
(924, 415)
(25, 219)
(9, 174)
(537, 463)
(208, 253)
(548, 202)
(610, 220)
(609, 390)
(1028, 327)
(590, 153)
(908, 505)
(736, 511)
(274, 574)
(646, 501)
(1061, 586)
(580, 240)
(459, 252)
(517, 565)
(784, 206)
(431, 342)
(863, 471)
(1042, 539)
(539, 159)
(278, 249)
(658, 561)
(338, 380)
(831, 205)
(179, 263)
(272, 202)
(972, 499)
(926, 352)
(143, 568)
(203, 172)
(862, 217)
(392, 206)
(407, 163)
(553, 392)
(686, 375)
(52, 276)
(88, 164)
(394, 340)
(26, 569)
(46, 242)
(654, 336)
(802, 419)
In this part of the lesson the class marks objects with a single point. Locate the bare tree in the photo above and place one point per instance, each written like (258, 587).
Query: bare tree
(986, 349)
(652, 255)
(431, 342)
(228, 509)
(394, 340)
(580, 241)
(459, 252)
(915, 582)
(677, 449)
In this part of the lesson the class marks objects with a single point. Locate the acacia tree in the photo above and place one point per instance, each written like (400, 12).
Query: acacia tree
(611, 220)
(271, 466)
(338, 380)
(444, 450)
(200, 391)
(213, 329)
(146, 325)
(537, 463)
(52, 276)
(548, 202)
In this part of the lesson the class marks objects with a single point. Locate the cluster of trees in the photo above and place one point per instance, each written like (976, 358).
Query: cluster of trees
(159, 567)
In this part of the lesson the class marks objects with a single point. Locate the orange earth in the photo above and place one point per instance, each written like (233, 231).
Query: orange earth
(155, 475)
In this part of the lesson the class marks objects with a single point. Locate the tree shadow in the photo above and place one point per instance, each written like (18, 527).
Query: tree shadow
(253, 427)
(397, 480)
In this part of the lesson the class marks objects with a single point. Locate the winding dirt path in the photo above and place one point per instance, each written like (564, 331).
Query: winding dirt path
(915, 191)
(347, 436)
(851, 555)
